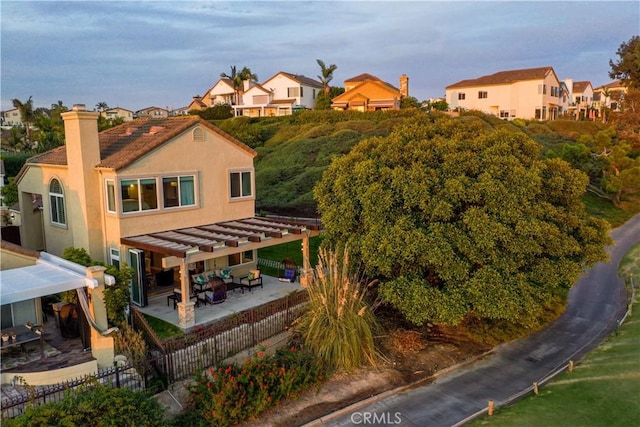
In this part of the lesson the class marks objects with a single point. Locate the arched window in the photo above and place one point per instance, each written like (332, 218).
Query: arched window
(56, 198)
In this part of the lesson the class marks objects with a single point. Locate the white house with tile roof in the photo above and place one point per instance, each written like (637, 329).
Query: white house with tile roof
(531, 93)
(279, 95)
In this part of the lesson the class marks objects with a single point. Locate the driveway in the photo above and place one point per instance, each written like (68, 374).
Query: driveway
(596, 303)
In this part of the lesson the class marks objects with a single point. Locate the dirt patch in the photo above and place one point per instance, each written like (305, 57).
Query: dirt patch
(410, 357)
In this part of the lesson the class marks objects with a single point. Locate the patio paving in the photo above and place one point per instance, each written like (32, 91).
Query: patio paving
(236, 302)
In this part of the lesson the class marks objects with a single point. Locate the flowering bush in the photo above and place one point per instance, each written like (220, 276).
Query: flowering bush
(230, 394)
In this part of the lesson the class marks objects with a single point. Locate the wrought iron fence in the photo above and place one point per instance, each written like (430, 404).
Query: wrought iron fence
(133, 376)
(175, 359)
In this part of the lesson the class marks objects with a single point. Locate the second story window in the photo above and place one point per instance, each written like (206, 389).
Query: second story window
(240, 184)
(138, 195)
(461, 96)
(482, 94)
(56, 198)
(178, 191)
(294, 92)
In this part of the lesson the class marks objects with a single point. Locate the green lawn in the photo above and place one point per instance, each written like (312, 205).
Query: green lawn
(603, 390)
(291, 250)
(163, 329)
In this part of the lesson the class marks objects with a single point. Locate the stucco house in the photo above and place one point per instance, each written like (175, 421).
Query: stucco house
(11, 118)
(117, 112)
(222, 92)
(581, 95)
(159, 194)
(366, 92)
(153, 113)
(279, 95)
(609, 95)
(531, 93)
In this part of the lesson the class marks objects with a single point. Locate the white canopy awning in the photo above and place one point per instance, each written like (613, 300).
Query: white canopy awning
(50, 275)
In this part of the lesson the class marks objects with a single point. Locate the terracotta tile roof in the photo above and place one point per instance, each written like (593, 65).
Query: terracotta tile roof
(505, 77)
(124, 144)
(617, 84)
(363, 77)
(580, 86)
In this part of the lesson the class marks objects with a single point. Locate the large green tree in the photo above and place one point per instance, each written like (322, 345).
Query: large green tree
(460, 221)
(627, 67)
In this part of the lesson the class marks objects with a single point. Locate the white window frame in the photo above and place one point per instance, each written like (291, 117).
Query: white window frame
(59, 203)
(140, 199)
(178, 189)
(107, 183)
(241, 173)
(114, 256)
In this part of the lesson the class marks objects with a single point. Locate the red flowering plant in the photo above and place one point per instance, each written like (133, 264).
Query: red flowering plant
(230, 394)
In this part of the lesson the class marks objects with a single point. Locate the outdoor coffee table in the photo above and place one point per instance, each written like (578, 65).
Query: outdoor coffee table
(24, 335)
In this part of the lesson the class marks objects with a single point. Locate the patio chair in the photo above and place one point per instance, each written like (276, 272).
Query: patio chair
(251, 280)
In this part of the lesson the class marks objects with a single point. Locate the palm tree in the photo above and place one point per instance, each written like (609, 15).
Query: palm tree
(605, 100)
(102, 106)
(327, 74)
(237, 79)
(26, 114)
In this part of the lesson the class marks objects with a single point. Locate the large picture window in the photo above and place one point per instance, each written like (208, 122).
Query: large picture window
(241, 185)
(139, 194)
(178, 191)
(56, 199)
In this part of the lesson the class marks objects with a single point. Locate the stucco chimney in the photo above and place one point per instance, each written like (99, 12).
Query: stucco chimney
(404, 86)
(83, 154)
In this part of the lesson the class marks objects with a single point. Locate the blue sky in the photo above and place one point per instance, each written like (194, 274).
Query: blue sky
(161, 53)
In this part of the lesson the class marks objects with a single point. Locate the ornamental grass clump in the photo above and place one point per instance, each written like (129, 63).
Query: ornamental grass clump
(339, 325)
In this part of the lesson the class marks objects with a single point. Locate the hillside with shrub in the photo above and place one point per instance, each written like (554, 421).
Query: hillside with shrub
(294, 151)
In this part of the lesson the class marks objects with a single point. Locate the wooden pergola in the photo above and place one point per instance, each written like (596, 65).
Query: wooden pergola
(192, 244)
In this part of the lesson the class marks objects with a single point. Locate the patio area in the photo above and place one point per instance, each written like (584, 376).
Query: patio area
(236, 302)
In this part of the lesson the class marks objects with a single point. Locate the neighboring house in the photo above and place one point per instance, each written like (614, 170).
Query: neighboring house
(11, 118)
(280, 95)
(157, 194)
(531, 93)
(609, 95)
(27, 276)
(581, 95)
(196, 103)
(152, 113)
(366, 92)
(220, 93)
(117, 112)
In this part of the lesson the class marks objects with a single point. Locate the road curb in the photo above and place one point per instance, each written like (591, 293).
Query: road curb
(401, 389)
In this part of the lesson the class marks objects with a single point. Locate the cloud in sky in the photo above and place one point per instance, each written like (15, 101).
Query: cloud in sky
(138, 54)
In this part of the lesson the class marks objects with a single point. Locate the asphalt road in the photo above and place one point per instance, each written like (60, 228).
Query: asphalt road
(596, 303)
